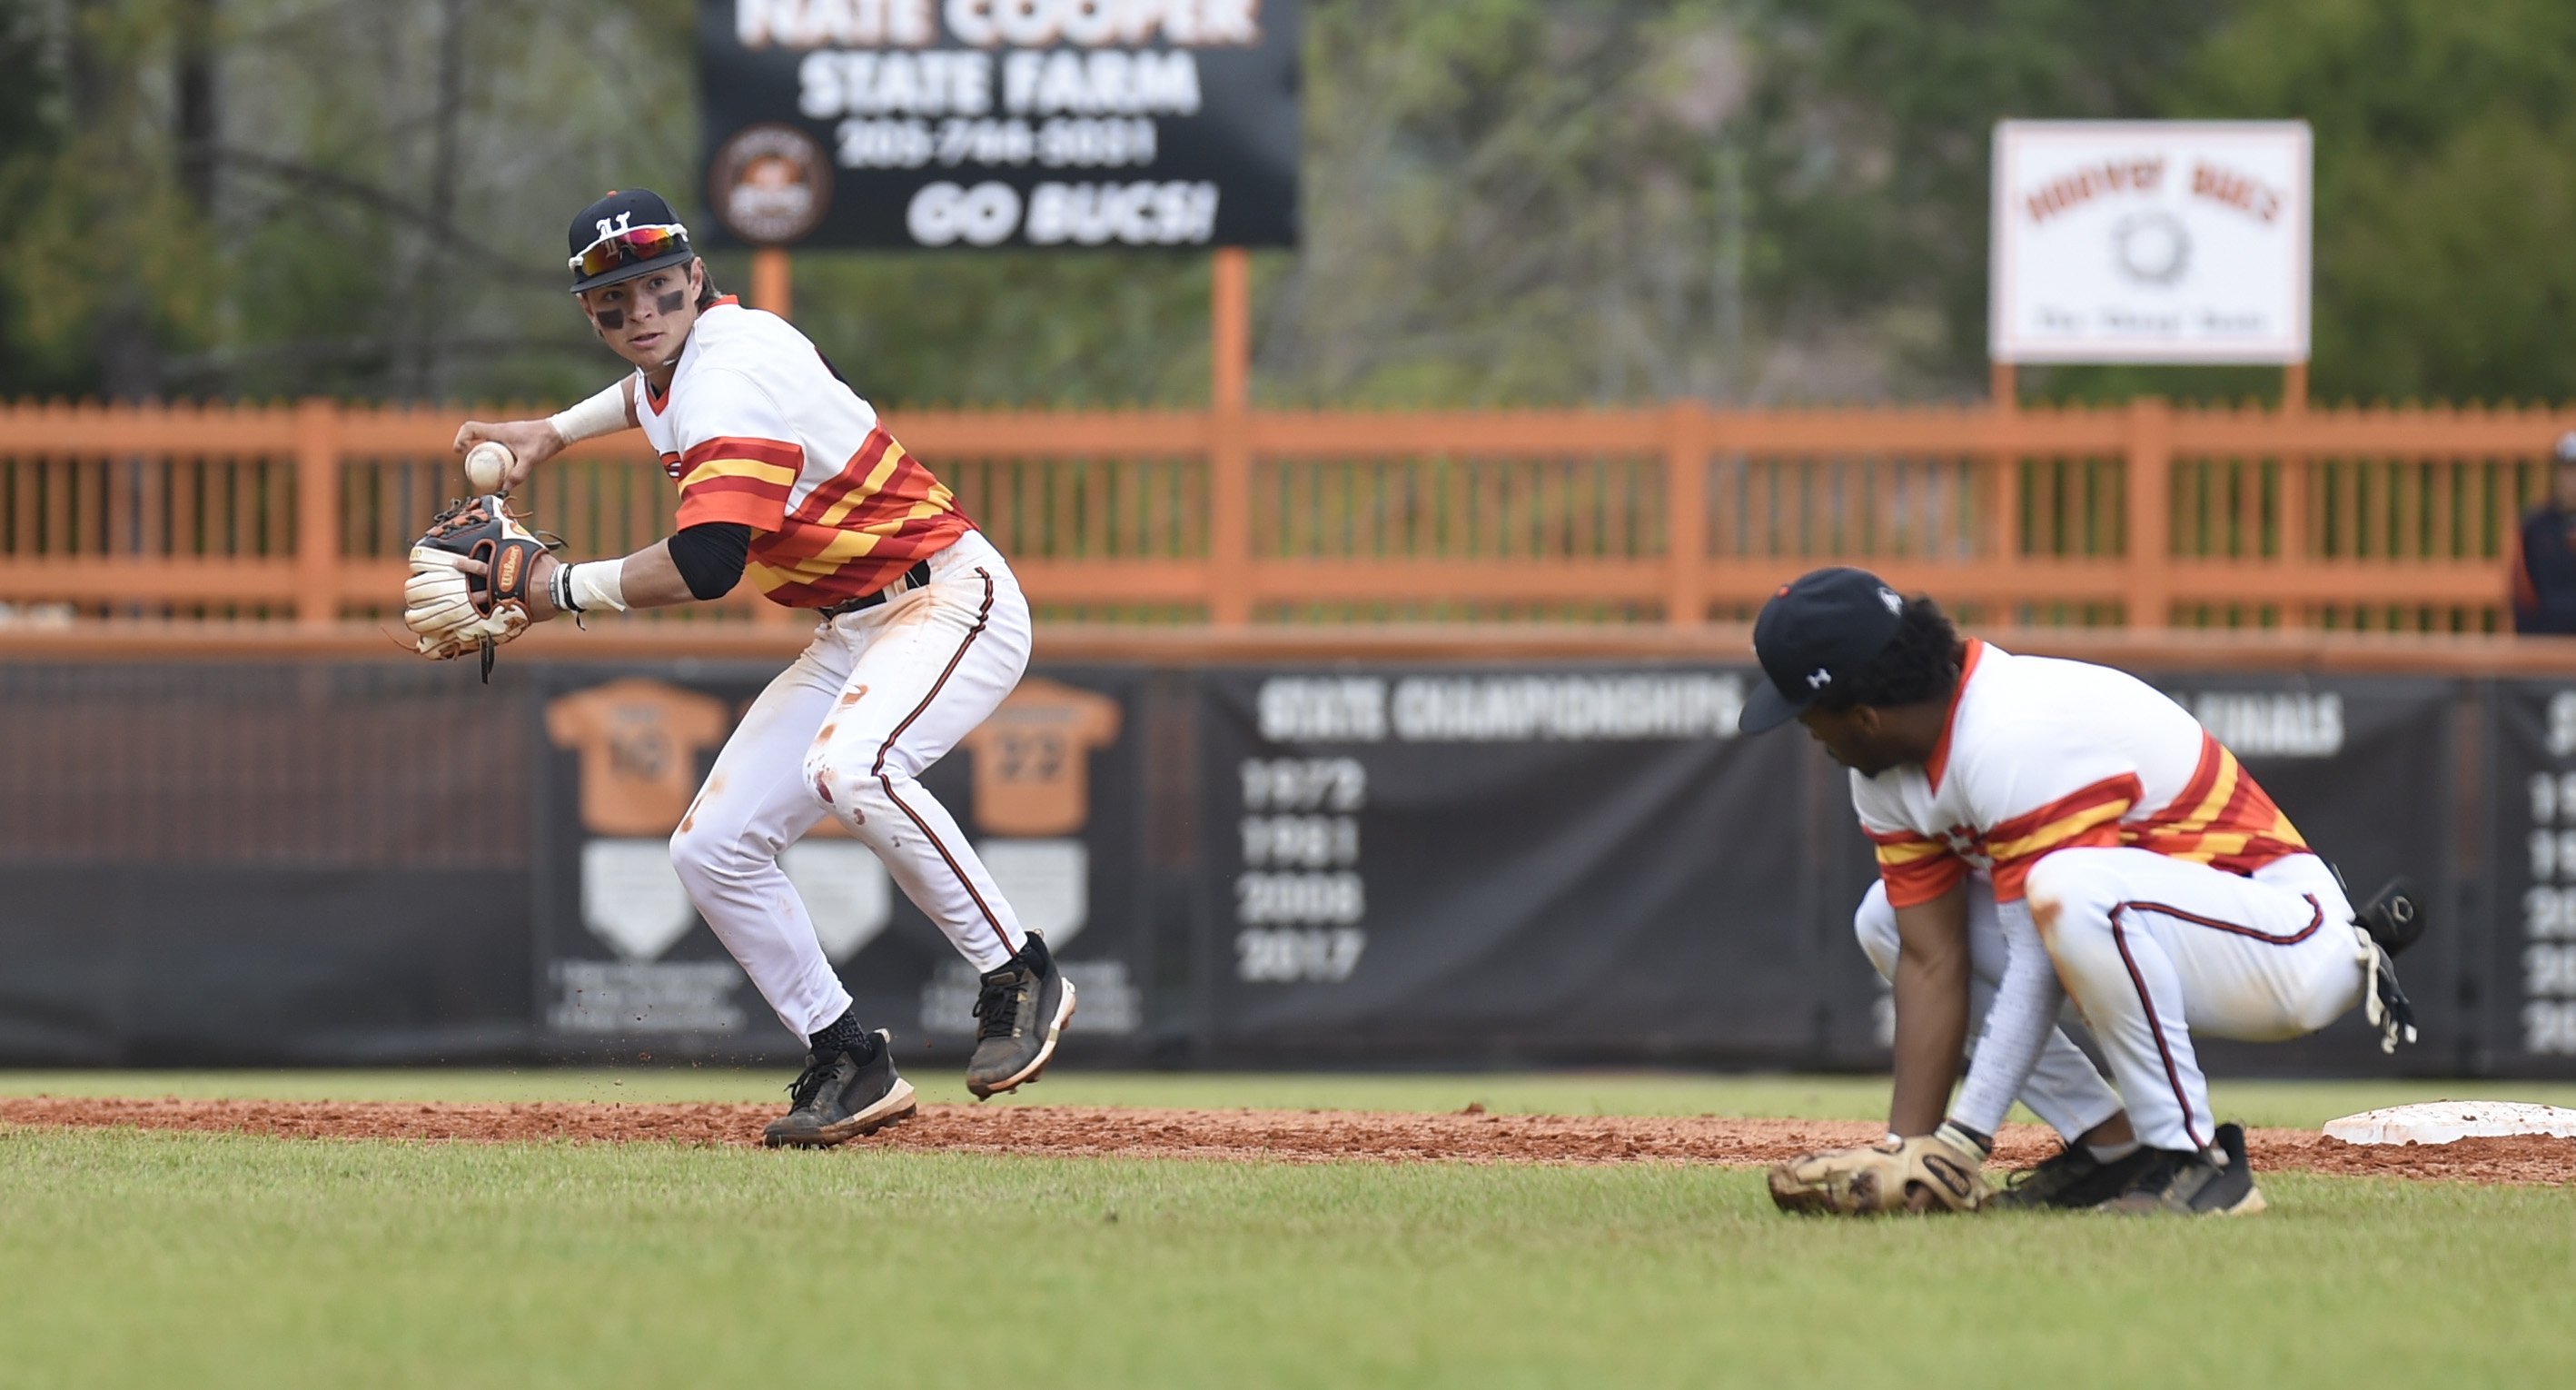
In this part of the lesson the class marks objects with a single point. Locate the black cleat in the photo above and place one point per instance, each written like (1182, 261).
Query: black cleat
(838, 1098)
(2072, 1180)
(2213, 1182)
(1024, 1006)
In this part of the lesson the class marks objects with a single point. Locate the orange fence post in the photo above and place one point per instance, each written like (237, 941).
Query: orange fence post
(317, 512)
(771, 283)
(2290, 537)
(2000, 542)
(1686, 449)
(2149, 468)
(1229, 456)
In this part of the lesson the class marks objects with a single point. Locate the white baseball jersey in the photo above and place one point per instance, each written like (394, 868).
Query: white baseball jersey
(2040, 755)
(2179, 893)
(758, 429)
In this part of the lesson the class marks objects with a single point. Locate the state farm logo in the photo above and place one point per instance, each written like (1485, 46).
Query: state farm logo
(770, 183)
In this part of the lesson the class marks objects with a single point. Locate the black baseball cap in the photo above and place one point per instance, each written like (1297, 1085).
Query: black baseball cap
(628, 233)
(1819, 631)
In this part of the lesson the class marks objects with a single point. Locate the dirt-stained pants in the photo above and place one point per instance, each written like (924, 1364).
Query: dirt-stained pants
(879, 696)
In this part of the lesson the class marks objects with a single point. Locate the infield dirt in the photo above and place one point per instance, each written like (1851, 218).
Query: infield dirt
(1292, 1136)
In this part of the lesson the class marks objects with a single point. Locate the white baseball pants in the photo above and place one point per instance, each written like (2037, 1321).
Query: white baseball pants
(2064, 1089)
(877, 698)
(2152, 948)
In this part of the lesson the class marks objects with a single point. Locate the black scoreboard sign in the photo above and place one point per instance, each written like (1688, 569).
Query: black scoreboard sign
(991, 123)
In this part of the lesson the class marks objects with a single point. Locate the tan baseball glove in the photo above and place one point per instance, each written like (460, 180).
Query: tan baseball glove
(1930, 1172)
(452, 611)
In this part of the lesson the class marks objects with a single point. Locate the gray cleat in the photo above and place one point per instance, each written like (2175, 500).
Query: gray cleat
(2216, 1181)
(838, 1098)
(1024, 1006)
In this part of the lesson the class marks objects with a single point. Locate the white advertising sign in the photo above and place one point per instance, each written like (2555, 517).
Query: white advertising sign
(2150, 241)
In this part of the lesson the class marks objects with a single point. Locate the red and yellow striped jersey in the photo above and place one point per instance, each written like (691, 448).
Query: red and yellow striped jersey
(2040, 755)
(758, 429)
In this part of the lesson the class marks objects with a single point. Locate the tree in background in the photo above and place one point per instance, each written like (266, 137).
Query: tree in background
(2446, 184)
(355, 197)
(1875, 137)
(104, 267)
(1506, 201)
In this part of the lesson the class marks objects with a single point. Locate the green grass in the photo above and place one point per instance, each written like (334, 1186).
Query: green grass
(2296, 1104)
(134, 1258)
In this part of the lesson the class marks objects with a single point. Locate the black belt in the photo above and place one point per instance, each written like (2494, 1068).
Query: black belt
(918, 577)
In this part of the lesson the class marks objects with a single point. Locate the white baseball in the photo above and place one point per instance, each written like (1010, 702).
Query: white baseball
(487, 464)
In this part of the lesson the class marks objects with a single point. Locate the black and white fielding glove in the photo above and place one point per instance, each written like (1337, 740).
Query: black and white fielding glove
(452, 611)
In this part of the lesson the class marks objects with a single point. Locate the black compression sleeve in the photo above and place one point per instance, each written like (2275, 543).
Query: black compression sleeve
(710, 556)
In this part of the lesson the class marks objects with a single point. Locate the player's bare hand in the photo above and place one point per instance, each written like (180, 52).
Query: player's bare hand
(532, 442)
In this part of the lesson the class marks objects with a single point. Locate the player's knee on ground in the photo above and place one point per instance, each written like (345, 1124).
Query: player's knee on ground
(1874, 922)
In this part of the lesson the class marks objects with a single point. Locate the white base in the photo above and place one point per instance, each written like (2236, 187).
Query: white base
(2441, 1121)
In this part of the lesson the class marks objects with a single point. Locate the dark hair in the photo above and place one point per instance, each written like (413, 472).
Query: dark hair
(1920, 663)
(707, 291)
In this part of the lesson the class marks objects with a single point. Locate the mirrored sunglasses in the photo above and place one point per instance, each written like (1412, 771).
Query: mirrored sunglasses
(632, 244)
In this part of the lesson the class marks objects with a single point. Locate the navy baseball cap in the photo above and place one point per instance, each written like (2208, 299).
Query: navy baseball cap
(1818, 632)
(628, 233)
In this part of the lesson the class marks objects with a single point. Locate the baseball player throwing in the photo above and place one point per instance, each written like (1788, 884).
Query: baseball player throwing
(2048, 829)
(787, 477)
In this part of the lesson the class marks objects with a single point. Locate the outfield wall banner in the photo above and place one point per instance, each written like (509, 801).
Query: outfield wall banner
(1520, 864)
(224, 863)
(1048, 788)
(371, 861)
(2530, 961)
(987, 123)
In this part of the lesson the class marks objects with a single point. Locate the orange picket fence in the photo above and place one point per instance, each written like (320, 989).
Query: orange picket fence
(2142, 515)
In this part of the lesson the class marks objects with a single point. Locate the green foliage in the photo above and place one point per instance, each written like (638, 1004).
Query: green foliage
(1876, 139)
(98, 235)
(2445, 192)
(1009, 328)
(1505, 202)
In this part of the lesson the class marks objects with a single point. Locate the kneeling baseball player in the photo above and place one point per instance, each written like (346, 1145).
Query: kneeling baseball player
(2048, 829)
(785, 474)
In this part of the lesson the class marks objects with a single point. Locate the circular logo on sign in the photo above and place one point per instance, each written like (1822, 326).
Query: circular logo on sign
(770, 183)
(2152, 248)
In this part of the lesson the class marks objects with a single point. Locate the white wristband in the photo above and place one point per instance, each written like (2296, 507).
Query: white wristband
(604, 413)
(596, 585)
